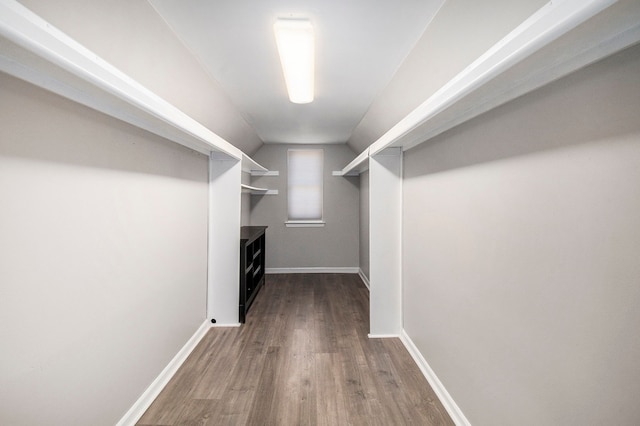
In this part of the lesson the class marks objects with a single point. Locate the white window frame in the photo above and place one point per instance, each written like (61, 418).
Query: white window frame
(305, 223)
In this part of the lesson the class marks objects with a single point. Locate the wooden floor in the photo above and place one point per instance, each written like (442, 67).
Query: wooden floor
(302, 358)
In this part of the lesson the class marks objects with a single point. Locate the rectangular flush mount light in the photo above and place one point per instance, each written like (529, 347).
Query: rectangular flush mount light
(294, 38)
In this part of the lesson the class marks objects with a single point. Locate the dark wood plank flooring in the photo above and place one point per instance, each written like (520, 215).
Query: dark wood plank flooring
(302, 358)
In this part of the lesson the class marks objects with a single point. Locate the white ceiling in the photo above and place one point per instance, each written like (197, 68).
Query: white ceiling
(359, 46)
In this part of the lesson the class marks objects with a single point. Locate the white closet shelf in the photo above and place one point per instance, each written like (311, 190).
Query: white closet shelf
(261, 191)
(560, 38)
(357, 166)
(260, 173)
(249, 165)
(247, 189)
(33, 50)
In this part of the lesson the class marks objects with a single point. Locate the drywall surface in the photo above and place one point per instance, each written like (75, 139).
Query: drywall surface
(364, 223)
(461, 31)
(103, 258)
(521, 238)
(335, 244)
(134, 38)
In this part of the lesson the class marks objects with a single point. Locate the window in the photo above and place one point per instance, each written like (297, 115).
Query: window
(304, 187)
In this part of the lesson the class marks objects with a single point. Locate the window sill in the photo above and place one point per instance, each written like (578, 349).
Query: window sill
(304, 223)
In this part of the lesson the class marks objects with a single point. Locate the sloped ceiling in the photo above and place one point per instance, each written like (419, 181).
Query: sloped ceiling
(217, 61)
(461, 32)
(131, 36)
(359, 46)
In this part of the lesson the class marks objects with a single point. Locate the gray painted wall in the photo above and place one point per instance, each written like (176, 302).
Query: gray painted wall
(364, 223)
(335, 244)
(521, 242)
(103, 258)
(460, 32)
(131, 36)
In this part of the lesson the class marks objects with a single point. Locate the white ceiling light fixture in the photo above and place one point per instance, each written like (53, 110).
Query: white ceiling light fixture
(295, 41)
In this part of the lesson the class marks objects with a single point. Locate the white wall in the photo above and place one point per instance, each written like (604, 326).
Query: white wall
(225, 220)
(364, 223)
(521, 242)
(333, 246)
(103, 258)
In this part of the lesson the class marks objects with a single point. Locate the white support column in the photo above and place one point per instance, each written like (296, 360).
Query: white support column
(385, 236)
(225, 176)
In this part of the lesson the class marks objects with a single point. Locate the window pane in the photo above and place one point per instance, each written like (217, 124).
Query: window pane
(305, 184)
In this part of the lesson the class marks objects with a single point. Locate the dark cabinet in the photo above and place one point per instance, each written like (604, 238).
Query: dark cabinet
(252, 263)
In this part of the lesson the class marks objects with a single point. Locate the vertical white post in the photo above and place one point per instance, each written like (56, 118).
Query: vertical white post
(225, 175)
(385, 239)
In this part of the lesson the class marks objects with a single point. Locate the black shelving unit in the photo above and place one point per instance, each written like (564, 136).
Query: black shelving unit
(252, 264)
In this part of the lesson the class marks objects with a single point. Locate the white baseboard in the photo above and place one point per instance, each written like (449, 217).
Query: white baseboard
(447, 401)
(383, 336)
(151, 393)
(313, 270)
(233, 324)
(364, 278)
